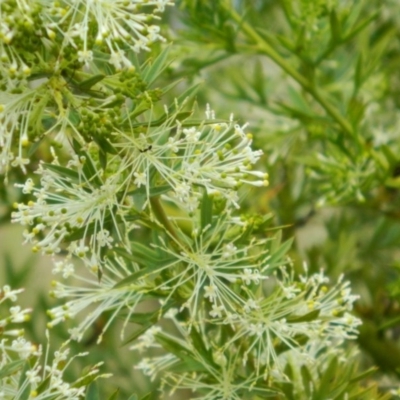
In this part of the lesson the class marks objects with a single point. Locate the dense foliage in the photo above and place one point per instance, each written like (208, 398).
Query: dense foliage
(215, 187)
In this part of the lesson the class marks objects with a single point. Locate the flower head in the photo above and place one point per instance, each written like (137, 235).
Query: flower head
(98, 295)
(71, 207)
(205, 268)
(294, 317)
(215, 155)
(116, 24)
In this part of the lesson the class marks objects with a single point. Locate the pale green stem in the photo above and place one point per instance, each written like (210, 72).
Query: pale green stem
(162, 217)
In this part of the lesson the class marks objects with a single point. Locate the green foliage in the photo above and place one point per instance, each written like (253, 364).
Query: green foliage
(159, 221)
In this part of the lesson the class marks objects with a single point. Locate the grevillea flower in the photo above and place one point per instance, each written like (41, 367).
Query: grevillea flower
(215, 155)
(216, 374)
(22, 370)
(110, 25)
(16, 117)
(31, 381)
(99, 296)
(209, 266)
(294, 316)
(71, 207)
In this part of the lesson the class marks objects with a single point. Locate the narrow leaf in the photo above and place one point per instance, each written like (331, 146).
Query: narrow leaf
(63, 172)
(90, 82)
(312, 315)
(151, 72)
(114, 396)
(11, 368)
(206, 210)
(92, 392)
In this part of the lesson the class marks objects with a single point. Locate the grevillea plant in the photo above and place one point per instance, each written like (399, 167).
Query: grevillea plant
(141, 198)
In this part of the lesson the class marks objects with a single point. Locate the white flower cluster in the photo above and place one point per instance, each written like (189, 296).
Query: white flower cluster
(32, 379)
(16, 379)
(16, 22)
(119, 24)
(215, 155)
(82, 206)
(215, 266)
(98, 296)
(15, 314)
(69, 205)
(295, 316)
(306, 323)
(33, 91)
(15, 111)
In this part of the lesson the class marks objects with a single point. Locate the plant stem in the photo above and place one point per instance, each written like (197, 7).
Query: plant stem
(265, 48)
(162, 216)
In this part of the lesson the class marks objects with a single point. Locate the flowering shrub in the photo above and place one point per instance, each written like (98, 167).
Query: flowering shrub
(150, 210)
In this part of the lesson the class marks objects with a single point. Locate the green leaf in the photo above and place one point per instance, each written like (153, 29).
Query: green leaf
(44, 384)
(27, 391)
(17, 275)
(116, 102)
(329, 378)
(114, 396)
(103, 159)
(363, 375)
(187, 94)
(145, 253)
(36, 115)
(287, 389)
(336, 29)
(92, 392)
(147, 320)
(144, 318)
(297, 340)
(199, 345)
(312, 315)
(139, 332)
(259, 81)
(390, 155)
(355, 110)
(152, 71)
(63, 172)
(86, 380)
(11, 368)
(308, 383)
(90, 82)
(358, 74)
(169, 87)
(154, 191)
(104, 144)
(173, 346)
(389, 324)
(35, 146)
(153, 265)
(89, 170)
(360, 26)
(278, 254)
(87, 230)
(200, 122)
(135, 276)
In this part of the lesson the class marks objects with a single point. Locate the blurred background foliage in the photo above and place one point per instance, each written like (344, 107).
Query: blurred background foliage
(318, 82)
